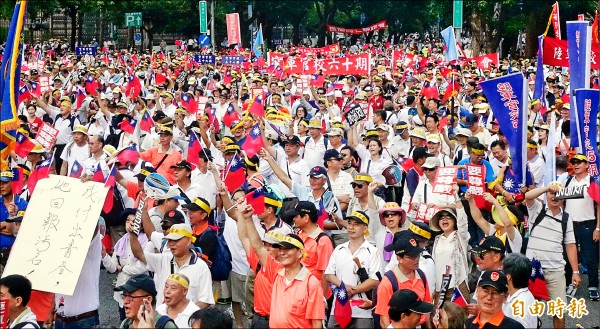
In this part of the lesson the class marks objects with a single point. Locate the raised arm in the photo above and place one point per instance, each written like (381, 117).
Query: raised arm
(283, 177)
(476, 213)
(245, 212)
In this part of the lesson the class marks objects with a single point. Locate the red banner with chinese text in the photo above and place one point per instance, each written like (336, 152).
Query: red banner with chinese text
(377, 26)
(555, 53)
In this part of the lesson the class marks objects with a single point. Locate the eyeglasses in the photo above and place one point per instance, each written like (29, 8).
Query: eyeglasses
(130, 297)
(355, 185)
(391, 214)
(482, 254)
(493, 292)
(430, 169)
(345, 155)
(576, 162)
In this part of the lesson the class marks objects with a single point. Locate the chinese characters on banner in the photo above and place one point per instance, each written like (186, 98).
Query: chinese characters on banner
(475, 182)
(56, 233)
(233, 29)
(556, 53)
(377, 26)
(47, 136)
(44, 84)
(329, 50)
(445, 179)
(484, 61)
(3, 313)
(586, 101)
(351, 64)
(425, 212)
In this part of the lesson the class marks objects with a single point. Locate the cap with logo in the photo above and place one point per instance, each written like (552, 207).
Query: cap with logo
(405, 245)
(318, 172)
(295, 140)
(495, 279)
(145, 169)
(179, 231)
(335, 132)
(6, 176)
(182, 165)
(490, 243)
(174, 216)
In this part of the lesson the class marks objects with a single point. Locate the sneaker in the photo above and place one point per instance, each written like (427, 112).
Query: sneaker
(593, 293)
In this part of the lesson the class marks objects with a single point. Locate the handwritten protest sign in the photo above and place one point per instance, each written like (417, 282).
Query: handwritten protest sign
(426, 211)
(55, 235)
(475, 180)
(47, 136)
(445, 179)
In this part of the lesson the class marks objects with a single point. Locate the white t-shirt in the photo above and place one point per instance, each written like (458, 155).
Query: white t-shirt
(239, 263)
(75, 152)
(183, 317)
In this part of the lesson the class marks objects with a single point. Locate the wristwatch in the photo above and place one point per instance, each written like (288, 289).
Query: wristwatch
(598, 229)
(575, 272)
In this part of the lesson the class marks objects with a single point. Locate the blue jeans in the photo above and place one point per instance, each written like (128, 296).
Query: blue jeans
(588, 249)
(91, 322)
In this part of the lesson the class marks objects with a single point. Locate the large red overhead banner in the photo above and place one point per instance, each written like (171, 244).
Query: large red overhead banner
(377, 26)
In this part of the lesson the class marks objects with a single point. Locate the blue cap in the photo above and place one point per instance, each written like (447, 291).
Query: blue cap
(318, 172)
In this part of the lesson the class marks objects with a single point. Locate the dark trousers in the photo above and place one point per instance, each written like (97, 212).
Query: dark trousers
(57, 160)
(588, 249)
(259, 322)
(474, 230)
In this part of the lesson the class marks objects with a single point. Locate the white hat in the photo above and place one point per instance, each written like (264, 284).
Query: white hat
(431, 162)
(149, 96)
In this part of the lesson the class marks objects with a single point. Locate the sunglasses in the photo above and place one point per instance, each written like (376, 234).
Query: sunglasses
(355, 185)
(430, 169)
(391, 214)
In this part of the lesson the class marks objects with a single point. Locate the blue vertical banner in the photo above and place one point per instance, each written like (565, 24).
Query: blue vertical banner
(10, 75)
(538, 91)
(257, 46)
(586, 109)
(450, 41)
(579, 45)
(508, 99)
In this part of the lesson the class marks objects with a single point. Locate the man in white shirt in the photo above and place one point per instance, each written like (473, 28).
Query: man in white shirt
(314, 146)
(536, 163)
(340, 180)
(77, 150)
(517, 268)
(176, 305)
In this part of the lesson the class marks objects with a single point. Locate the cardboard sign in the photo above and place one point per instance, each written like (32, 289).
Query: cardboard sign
(47, 136)
(55, 235)
(259, 92)
(80, 51)
(202, 100)
(572, 192)
(137, 222)
(425, 212)
(354, 114)
(3, 313)
(445, 179)
(44, 84)
(475, 179)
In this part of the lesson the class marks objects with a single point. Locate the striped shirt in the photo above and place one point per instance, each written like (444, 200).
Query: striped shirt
(546, 240)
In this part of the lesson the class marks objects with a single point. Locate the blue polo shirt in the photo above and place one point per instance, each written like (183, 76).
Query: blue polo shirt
(5, 240)
(462, 173)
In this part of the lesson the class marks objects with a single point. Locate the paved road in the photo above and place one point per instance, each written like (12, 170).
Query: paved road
(109, 315)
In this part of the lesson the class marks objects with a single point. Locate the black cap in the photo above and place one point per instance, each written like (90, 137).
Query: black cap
(318, 172)
(490, 243)
(183, 165)
(174, 216)
(420, 153)
(139, 282)
(295, 140)
(332, 154)
(405, 245)
(145, 169)
(303, 208)
(125, 213)
(496, 279)
(407, 300)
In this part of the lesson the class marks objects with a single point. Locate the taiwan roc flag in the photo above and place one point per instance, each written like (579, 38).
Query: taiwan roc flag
(537, 282)
(343, 311)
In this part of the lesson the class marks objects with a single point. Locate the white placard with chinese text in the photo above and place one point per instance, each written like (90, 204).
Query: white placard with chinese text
(55, 235)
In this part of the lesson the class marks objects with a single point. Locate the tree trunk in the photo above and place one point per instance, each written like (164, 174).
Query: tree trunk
(73, 15)
(476, 33)
(535, 27)
(296, 32)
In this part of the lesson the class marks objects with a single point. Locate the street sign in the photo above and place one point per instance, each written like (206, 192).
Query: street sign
(137, 37)
(203, 17)
(80, 51)
(133, 19)
(203, 40)
(457, 14)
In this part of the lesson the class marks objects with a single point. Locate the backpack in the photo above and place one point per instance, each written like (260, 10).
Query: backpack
(325, 141)
(160, 323)
(221, 264)
(563, 222)
(394, 281)
(71, 120)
